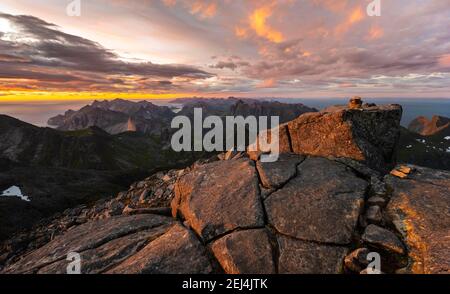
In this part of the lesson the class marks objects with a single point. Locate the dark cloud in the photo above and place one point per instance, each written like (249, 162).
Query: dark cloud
(225, 64)
(230, 64)
(40, 51)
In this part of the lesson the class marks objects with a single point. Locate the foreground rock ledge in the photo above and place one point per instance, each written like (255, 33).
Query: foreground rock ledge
(219, 197)
(420, 210)
(91, 240)
(245, 252)
(298, 215)
(321, 204)
(299, 257)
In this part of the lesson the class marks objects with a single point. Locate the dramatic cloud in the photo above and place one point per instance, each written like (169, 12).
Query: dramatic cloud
(260, 47)
(37, 51)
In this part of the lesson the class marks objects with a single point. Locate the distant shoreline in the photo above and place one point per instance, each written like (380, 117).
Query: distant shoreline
(38, 112)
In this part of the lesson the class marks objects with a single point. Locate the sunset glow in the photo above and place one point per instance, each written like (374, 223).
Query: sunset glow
(20, 96)
(220, 48)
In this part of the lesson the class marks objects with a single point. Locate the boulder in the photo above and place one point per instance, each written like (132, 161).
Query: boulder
(275, 174)
(374, 215)
(420, 210)
(357, 261)
(245, 252)
(90, 236)
(255, 150)
(321, 204)
(219, 197)
(299, 257)
(377, 201)
(178, 251)
(99, 260)
(383, 239)
(368, 134)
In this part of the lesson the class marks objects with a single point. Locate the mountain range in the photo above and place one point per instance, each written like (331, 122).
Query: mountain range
(95, 152)
(426, 143)
(334, 196)
(116, 116)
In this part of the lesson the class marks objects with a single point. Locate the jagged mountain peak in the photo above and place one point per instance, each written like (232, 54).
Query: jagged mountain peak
(426, 127)
(113, 115)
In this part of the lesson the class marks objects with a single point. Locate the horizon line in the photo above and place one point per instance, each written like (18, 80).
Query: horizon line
(27, 97)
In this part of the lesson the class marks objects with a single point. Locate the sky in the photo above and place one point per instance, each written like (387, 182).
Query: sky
(218, 48)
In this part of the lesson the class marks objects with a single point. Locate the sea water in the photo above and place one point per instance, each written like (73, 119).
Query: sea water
(37, 113)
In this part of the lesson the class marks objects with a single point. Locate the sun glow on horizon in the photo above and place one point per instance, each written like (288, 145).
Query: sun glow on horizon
(34, 96)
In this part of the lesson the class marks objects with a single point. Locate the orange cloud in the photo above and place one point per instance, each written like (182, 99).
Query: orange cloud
(240, 32)
(375, 33)
(258, 22)
(332, 5)
(269, 83)
(444, 60)
(355, 16)
(169, 2)
(204, 9)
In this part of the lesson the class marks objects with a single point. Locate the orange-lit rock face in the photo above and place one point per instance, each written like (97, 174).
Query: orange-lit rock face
(220, 197)
(131, 125)
(245, 252)
(426, 127)
(324, 134)
(420, 210)
(367, 135)
(309, 207)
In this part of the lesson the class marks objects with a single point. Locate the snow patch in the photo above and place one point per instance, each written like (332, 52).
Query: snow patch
(409, 147)
(14, 191)
(447, 138)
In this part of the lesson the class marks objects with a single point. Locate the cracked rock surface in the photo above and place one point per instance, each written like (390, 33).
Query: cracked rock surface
(221, 223)
(368, 135)
(321, 204)
(309, 224)
(89, 236)
(214, 206)
(301, 215)
(420, 210)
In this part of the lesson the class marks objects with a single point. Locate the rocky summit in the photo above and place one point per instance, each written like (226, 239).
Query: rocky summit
(368, 134)
(321, 208)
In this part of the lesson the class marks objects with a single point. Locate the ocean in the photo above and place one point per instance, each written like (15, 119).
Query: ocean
(412, 107)
(37, 113)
